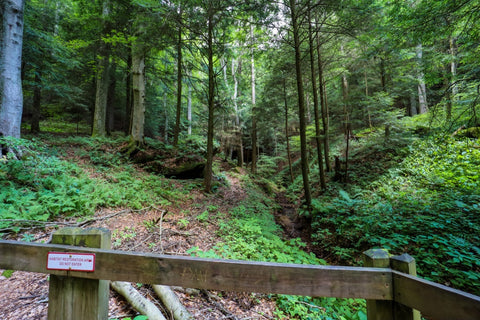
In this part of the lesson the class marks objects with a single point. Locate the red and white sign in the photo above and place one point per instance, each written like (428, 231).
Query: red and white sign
(71, 261)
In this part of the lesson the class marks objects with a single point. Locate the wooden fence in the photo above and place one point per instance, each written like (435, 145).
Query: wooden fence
(390, 294)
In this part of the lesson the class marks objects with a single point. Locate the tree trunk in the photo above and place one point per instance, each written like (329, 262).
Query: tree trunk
(324, 108)
(102, 83)
(238, 131)
(422, 91)
(172, 303)
(453, 65)
(11, 94)
(101, 97)
(138, 79)
(165, 110)
(36, 108)
(211, 104)
(254, 109)
(138, 302)
(128, 92)
(383, 80)
(111, 100)
(179, 83)
(366, 96)
(287, 137)
(189, 108)
(301, 105)
(452, 87)
(318, 133)
(345, 96)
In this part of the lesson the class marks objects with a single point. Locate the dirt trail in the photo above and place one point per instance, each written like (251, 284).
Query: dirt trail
(170, 230)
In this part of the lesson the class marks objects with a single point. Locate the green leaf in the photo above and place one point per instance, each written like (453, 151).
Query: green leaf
(7, 273)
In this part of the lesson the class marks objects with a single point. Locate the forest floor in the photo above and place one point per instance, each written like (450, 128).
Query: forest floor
(170, 230)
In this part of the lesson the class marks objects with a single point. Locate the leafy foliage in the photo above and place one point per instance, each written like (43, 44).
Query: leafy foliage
(428, 206)
(41, 185)
(250, 233)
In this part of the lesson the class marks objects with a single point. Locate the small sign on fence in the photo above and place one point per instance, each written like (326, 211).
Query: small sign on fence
(71, 261)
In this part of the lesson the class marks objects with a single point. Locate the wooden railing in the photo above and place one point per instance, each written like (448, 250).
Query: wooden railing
(390, 294)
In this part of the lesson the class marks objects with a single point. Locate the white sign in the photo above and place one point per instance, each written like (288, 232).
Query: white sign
(71, 261)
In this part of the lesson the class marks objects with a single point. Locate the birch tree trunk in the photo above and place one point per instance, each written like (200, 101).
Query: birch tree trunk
(11, 41)
(453, 65)
(422, 90)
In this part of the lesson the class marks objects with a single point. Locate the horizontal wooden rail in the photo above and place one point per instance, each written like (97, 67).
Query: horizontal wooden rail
(435, 301)
(228, 275)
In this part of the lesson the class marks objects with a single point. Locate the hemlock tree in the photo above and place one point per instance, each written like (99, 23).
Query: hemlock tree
(301, 101)
(11, 40)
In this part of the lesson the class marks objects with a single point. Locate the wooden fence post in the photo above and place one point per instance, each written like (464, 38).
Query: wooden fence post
(378, 309)
(76, 298)
(406, 264)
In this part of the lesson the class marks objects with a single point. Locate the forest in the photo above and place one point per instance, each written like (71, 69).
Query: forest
(297, 131)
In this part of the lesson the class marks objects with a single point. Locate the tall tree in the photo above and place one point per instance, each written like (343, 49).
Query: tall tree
(301, 101)
(179, 77)
(254, 104)
(318, 133)
(211, 12)
(11, 94)
(102, 79)
(138, 86)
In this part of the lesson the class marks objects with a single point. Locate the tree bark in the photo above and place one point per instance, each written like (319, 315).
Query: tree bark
(165, 110)
(128, 92)
(172, 303)
(110, 123)
(179, 82)
(254, 109)
(102, 83)
(318, 133)
(138, 81)
(37, 99)
(287, 137)
(422, 91)
(211, 104)
(11, 41)
(235, 70)
(138, 302)
(301, 105)
(189, 108)
(324, 109)
(101, 97)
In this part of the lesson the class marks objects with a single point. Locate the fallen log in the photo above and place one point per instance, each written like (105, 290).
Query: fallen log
(172, 303)
(138, 302)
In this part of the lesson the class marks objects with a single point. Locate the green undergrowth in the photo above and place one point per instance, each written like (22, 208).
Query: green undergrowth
(41, 186)
(249, 232)
(427, 205)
